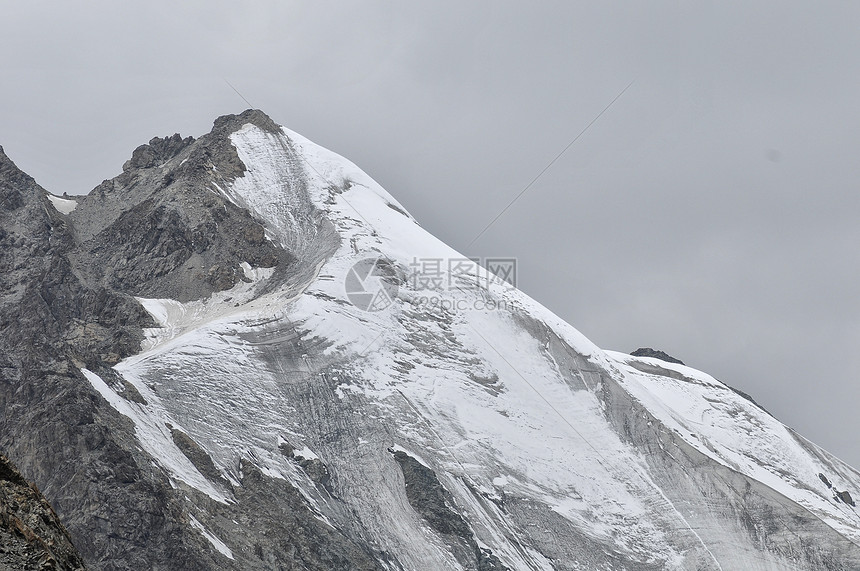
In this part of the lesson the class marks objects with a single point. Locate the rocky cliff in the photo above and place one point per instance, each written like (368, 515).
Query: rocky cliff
(31, 535)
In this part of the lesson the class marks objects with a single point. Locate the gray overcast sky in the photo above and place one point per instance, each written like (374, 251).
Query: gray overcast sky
(712, 212)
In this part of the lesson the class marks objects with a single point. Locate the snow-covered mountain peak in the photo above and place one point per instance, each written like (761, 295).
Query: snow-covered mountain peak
(406, 407)
(514, 410)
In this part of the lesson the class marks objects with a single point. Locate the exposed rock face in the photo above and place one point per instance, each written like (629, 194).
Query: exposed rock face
(845, 496)
(31, 535)
(435, 504)
(656, 354)
(186, 379)
(157, 152)
(162, 228)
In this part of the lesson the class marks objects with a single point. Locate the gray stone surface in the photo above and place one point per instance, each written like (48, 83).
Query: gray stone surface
(656, 354)
(31, 536)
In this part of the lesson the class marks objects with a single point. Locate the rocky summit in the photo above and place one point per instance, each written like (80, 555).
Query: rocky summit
(243, 353)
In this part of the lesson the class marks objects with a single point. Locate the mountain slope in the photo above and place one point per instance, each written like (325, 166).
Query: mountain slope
(31, 536)
(317, 382)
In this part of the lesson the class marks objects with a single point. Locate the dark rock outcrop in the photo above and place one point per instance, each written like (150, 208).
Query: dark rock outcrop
(163, 229)
(655, 354)
(435, 504)
(158, 151)
(31, 535)
(846, 498)
(197, 455)
(313, 467)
